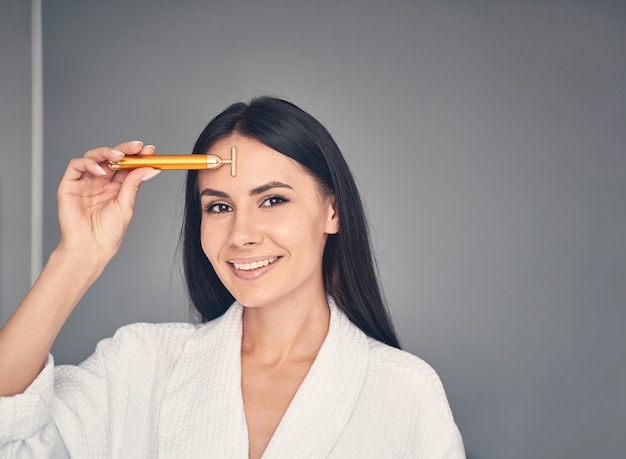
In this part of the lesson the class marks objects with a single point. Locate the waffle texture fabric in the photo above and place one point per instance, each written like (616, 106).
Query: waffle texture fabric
(174, 391)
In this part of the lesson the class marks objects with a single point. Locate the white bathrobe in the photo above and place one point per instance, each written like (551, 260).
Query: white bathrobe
(174, 391)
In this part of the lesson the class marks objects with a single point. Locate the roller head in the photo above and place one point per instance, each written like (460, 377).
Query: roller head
(233, 161)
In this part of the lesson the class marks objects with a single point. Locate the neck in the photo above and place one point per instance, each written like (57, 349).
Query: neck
(274, 335)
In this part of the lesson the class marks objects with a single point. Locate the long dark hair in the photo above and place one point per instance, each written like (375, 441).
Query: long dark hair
(349, 268)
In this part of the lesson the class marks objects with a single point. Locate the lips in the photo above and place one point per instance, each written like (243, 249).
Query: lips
(251, 266)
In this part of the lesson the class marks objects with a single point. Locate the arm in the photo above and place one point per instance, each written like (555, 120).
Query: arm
(95, 208)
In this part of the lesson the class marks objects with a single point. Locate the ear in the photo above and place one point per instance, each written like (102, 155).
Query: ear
(332, 216)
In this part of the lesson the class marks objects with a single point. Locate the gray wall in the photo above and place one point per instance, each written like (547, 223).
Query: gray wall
(488, 142)
(15, 146)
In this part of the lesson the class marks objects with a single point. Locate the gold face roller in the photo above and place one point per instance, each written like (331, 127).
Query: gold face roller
(177, 162)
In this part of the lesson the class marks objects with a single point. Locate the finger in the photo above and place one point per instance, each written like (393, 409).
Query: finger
(120, 175)
(103, 154)
(130, 186)
(133, 147)
(147, 150)
(79, 166)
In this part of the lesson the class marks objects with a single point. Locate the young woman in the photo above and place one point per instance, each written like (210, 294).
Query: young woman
(296, 356)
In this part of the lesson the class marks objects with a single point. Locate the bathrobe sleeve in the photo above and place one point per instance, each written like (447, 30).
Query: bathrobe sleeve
(25, 427)
(91, 409)
(433, 431)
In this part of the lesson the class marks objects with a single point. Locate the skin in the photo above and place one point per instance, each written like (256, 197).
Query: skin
(95, 208)
(286, 315)
(273, 210)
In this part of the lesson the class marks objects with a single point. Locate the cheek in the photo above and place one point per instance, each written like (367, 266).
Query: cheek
(208, 241)
(297, 228)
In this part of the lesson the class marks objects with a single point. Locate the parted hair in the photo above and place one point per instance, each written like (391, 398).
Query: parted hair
(348, 264)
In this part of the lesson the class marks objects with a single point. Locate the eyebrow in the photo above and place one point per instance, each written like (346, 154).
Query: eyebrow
(253, 192)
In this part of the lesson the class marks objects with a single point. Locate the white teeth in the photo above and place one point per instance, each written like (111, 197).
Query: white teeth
(254, 264)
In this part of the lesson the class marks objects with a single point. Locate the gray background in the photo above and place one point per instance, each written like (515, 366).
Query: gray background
(487, 139)
(15, 144)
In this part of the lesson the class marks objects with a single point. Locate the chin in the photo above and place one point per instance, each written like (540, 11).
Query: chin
(251, 300)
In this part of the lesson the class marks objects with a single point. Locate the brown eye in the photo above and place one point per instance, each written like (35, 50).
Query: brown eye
(273, 201)
(218, 208)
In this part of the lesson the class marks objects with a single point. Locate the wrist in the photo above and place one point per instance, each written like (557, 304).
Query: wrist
(77, 264)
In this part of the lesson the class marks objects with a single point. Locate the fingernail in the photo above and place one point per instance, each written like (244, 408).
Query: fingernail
(117, 153)
(101, 170)
(138, 142)
(149, 175)
(149, 146)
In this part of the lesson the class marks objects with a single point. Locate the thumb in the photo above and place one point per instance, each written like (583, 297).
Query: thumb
(130, 186)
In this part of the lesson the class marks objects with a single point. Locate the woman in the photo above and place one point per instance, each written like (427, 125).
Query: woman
(297, 356)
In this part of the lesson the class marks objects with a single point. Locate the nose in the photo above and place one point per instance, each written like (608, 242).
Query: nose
(244, 232)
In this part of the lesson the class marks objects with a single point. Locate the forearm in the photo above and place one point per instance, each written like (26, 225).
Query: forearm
(26, 338)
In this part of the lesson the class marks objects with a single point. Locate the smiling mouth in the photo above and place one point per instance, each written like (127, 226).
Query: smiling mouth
(254, 265)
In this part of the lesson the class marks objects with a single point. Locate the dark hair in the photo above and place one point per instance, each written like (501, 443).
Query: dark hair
(349, 269)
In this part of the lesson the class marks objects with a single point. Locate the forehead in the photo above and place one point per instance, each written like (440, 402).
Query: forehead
(256, 164)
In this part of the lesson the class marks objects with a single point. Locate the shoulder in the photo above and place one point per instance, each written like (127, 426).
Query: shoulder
(388, 367)
(141, 344)
(405, 372)
(160, 340)
(139, 351)
(401, 363)
(406, 390)
(153, 334)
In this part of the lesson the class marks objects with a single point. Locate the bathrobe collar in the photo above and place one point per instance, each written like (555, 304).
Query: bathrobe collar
(203, 411)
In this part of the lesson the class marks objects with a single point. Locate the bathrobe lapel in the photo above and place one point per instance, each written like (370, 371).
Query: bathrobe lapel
(323, 404)
(202, 414)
